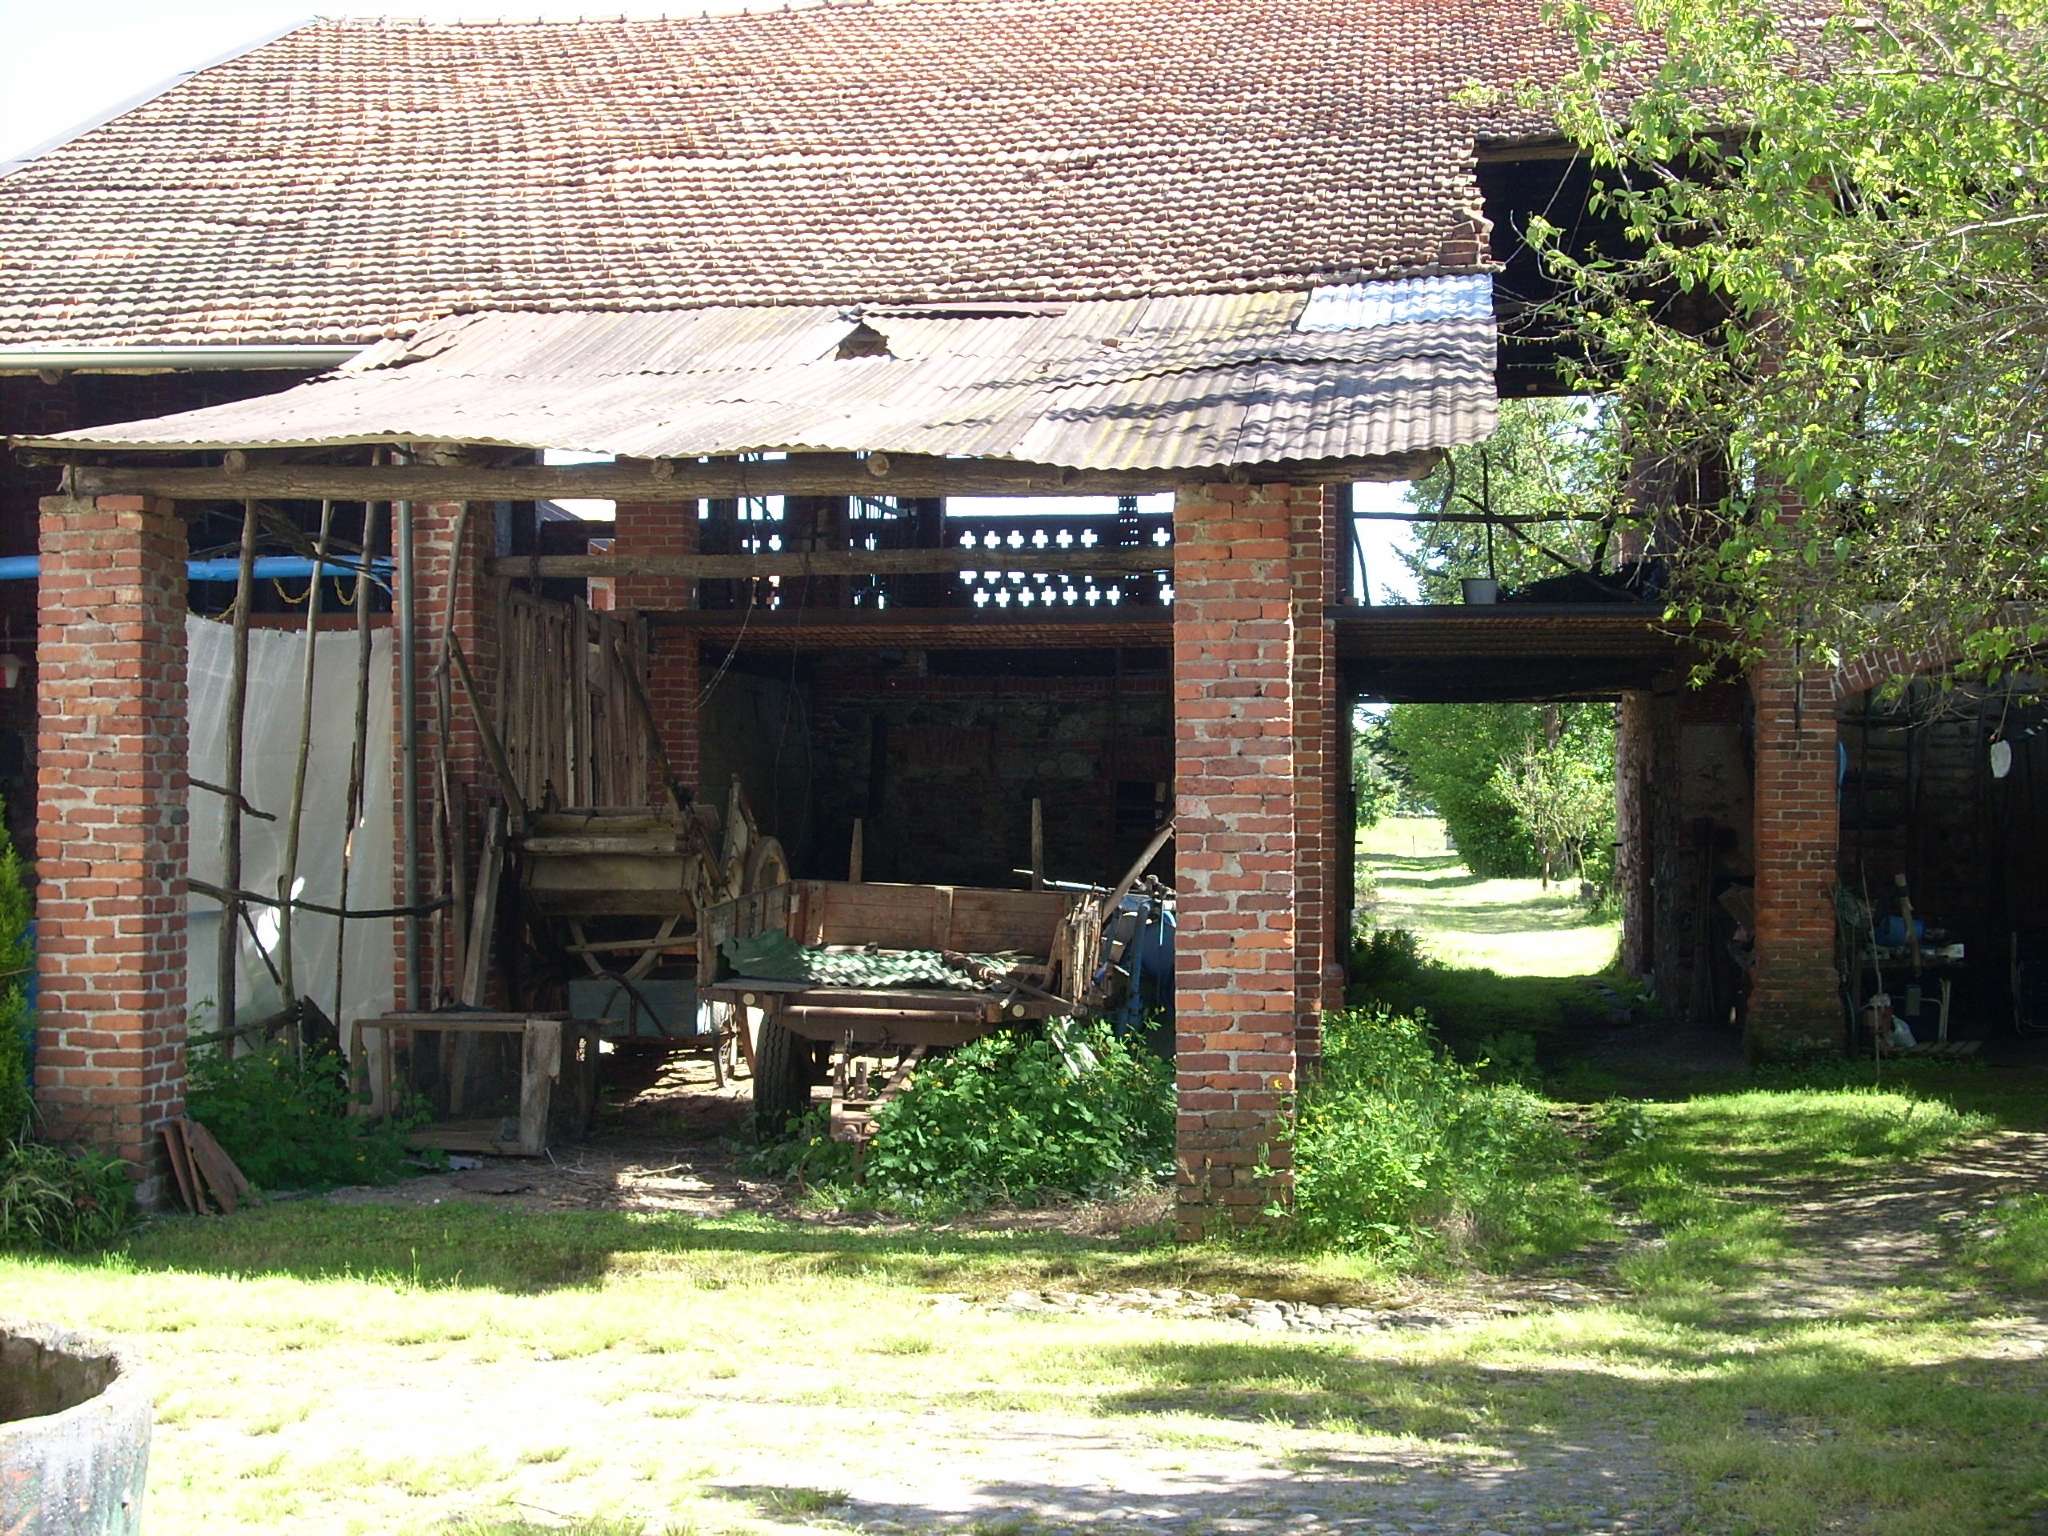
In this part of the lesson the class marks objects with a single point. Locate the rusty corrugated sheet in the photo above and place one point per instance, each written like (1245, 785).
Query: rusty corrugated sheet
(1210, 381)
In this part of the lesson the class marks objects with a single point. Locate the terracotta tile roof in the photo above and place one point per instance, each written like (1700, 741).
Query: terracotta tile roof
(352, 179)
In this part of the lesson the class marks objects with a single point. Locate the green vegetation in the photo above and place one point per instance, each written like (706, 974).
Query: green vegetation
(1072, 1110)
(1404, 1154)
(17, 960)
(285, 1119)
(68, 1201)
(1699, 1170)
(1553, 459)
(2013, 1244)
(1500, 968)
(50, 1198)
(1867, 255)
(1450, 757)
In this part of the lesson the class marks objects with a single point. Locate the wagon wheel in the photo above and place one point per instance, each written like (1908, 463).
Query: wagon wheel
(767, 867)
(782, 1076)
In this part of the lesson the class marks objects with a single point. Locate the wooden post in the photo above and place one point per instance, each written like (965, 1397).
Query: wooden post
(1037, 844)
(359, 747)
(231, 823)
(287, 879)
(853, 855)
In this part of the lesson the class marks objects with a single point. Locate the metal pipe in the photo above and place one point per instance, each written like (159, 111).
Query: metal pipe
(408, 749)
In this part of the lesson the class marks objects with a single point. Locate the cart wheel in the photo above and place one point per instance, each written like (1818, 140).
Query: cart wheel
(782, 1078)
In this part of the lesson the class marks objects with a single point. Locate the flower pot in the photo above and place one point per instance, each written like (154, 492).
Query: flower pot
(1480, 589)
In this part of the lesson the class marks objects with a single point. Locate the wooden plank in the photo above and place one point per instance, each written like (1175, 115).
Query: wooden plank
(493, 748)
(222, 1179)
(540, 1063)
(834, 563)
(483, 920)
(671, 481)
(182, 1171)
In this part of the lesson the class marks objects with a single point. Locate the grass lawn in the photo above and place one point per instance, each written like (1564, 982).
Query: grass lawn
(1515, 927)
(1795, 1310)
(468, 1369)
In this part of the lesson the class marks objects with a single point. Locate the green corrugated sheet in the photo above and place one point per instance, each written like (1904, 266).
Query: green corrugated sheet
(778, 957)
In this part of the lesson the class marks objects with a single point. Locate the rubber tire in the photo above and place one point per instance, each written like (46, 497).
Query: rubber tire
(782, 1079)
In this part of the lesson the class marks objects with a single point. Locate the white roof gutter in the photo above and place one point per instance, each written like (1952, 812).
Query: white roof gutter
(170, 359)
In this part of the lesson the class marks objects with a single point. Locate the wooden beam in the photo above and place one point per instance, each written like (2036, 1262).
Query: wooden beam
(660, 480)
(836, 562)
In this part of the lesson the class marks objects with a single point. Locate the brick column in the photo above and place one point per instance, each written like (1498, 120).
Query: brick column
(1632, 863)
(111, 828)
(1240, 988)
(673, 684)
(1795, 1004)
(436, 564)
(1315, 518)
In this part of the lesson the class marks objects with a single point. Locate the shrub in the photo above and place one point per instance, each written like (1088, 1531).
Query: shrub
(1402, 1153)
(67, 1201)
(1073, 1110)
(286, 1122)
(17, 957)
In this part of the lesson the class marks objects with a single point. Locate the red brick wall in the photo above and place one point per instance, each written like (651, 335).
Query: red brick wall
(674, 683)
(1632, 862)
(1314, 515)
(1796, 1002)
(112, 830)
(475, 623)
(1241, 985)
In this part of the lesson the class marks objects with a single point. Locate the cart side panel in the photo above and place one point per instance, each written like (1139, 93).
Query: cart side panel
(779, 909)
(999, 922)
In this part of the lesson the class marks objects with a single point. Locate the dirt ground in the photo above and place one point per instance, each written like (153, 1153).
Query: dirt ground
(671, 1139)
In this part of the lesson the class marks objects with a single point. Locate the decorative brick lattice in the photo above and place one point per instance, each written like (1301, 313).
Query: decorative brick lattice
(112, 829)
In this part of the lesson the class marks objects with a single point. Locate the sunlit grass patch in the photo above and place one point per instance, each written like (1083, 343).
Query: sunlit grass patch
(2012, 1243)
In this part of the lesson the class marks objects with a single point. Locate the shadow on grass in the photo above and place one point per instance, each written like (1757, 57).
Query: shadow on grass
(468, 1245)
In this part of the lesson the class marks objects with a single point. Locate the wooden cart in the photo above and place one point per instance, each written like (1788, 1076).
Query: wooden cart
(621, 891)
(1054, 937)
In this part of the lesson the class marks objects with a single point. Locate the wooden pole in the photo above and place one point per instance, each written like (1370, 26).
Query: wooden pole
(231, 824)
(359, 747)
(686, 480)
(1037, 844)
(448, 942)
(287, 879)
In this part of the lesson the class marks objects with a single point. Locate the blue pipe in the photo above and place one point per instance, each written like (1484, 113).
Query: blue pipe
(268, 567)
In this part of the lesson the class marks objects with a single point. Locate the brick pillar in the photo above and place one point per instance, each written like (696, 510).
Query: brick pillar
(111, 829)
(1240, 987)
(1795, 1004)
(673, 684)
(1315, 517)
(1632, 860)
(437, 564)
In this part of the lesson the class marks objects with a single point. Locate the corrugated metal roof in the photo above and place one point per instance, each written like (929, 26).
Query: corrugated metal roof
(1172, 383)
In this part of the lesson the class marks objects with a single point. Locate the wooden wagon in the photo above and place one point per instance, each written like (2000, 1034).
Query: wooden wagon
(1016, 957)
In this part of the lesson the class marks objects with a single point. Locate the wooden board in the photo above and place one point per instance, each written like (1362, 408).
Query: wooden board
(182, 1172)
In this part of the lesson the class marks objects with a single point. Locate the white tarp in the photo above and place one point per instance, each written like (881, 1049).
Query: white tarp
(270, 742)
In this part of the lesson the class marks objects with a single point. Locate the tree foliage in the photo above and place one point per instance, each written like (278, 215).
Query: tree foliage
(1550, 459)
(1451, 755)
(1837, 289)
(1562, 795)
